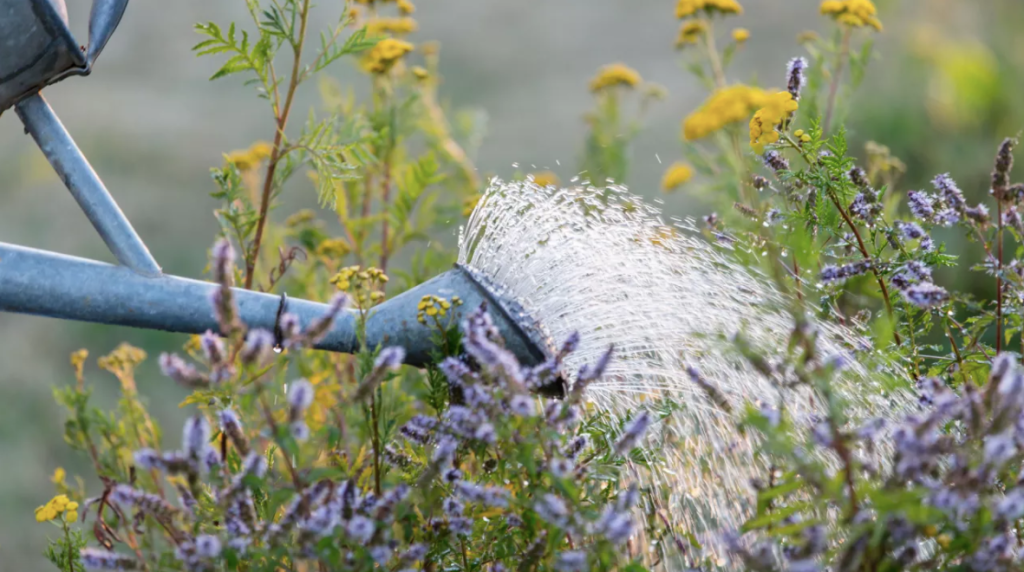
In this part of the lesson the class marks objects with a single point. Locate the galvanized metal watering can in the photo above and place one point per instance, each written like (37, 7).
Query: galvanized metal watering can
(36, 50)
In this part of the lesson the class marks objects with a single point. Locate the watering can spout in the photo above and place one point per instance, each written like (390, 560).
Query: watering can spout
(48, 284)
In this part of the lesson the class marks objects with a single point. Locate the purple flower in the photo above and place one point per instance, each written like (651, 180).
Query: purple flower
(232, 427)
(258, 347)
(461, 526)
(926, 295)
(300, 395)
(319, 327)
(552, 510)
(96, 559)
(795, 77)
(831, 273)
(213, 347)
(452, 506)
(999, 449)
(523, 405)
(207, 546)
(774, 161)
(185, 374)
(360, 528)
(921, 205)
(1011, 507)
(575, 447)
(195, 435)
(390, 358)
(223, 262)
(571, 561)
(951, 194)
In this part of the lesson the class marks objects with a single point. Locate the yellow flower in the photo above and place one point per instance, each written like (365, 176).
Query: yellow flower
(545, 179)
(690, 32)
(58, 476)
(675, 176)
(762, 126)
(420, 72)
(944, 540)
(333, 248)
(406, 7)
(71, 516)
(248, 159)
(725, 106)
(686, 8)
(807, 37)
(397, 26)
(615, 74)
(385, 54)
(855, 13)
(740, 35)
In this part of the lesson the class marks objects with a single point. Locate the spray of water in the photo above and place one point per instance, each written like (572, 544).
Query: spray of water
(605, 264)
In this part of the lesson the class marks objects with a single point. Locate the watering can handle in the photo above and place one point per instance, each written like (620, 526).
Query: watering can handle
(103, 20)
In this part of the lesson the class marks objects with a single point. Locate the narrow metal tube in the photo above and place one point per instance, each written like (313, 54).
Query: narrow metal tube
(87, 188)
(47, 284)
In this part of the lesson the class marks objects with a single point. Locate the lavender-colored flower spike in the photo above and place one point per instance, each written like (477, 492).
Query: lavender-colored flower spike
(213, 347)
(571, 561)
(319, 327)
(774, 161)
(300, 394)
(223, 262)
(258, 346)
(921, 205)
(97, 559)
(633, 432)
(195, 436)
(291, 330)
(952, 194)
(232, 427)
(182, 372)
(593, 372)
(795, 76)
(390, 358)
(926, 295)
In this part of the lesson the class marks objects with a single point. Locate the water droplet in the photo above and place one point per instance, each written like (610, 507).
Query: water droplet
(278, 349)
(658, 158)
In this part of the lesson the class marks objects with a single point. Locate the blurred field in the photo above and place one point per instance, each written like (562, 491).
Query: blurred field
(152, 125)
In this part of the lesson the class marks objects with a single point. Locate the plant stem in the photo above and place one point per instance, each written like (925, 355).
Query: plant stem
(833, 90)
(375, 428)
(999, 275)
(385, 199)
(275, 153)
(864, 252)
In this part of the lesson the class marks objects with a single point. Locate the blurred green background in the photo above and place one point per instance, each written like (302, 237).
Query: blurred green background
(943, 92)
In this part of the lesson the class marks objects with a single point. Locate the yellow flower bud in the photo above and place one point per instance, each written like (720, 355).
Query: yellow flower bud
(72, 506)
(71, 516)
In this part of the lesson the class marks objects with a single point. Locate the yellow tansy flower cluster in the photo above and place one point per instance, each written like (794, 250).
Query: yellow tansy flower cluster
(687, 8)
(545, 179)
(740, 35)
(248, 159)
(856, 13)
(676, 175)
(396, 26)
(725, 106)
(58, 505)
(333, 248)
(690, 32)
(434, 307)
(615, 74)
(406, 7)
(762, 126)
(384, 55)
(364, 285)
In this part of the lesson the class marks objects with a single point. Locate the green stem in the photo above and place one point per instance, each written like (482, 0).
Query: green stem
(833, 91)
(275, 153)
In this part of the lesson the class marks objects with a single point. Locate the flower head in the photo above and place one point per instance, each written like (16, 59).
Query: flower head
(855, 13)
(383, 56)
(740, 35)
(725, 106)
(687, 8)
(690, 32)
(762, 127)
(614, 75)
(676, 175)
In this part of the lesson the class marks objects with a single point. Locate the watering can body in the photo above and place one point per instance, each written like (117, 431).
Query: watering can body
(37, 48)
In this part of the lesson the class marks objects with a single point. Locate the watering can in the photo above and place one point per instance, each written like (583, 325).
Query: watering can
(36, 50)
